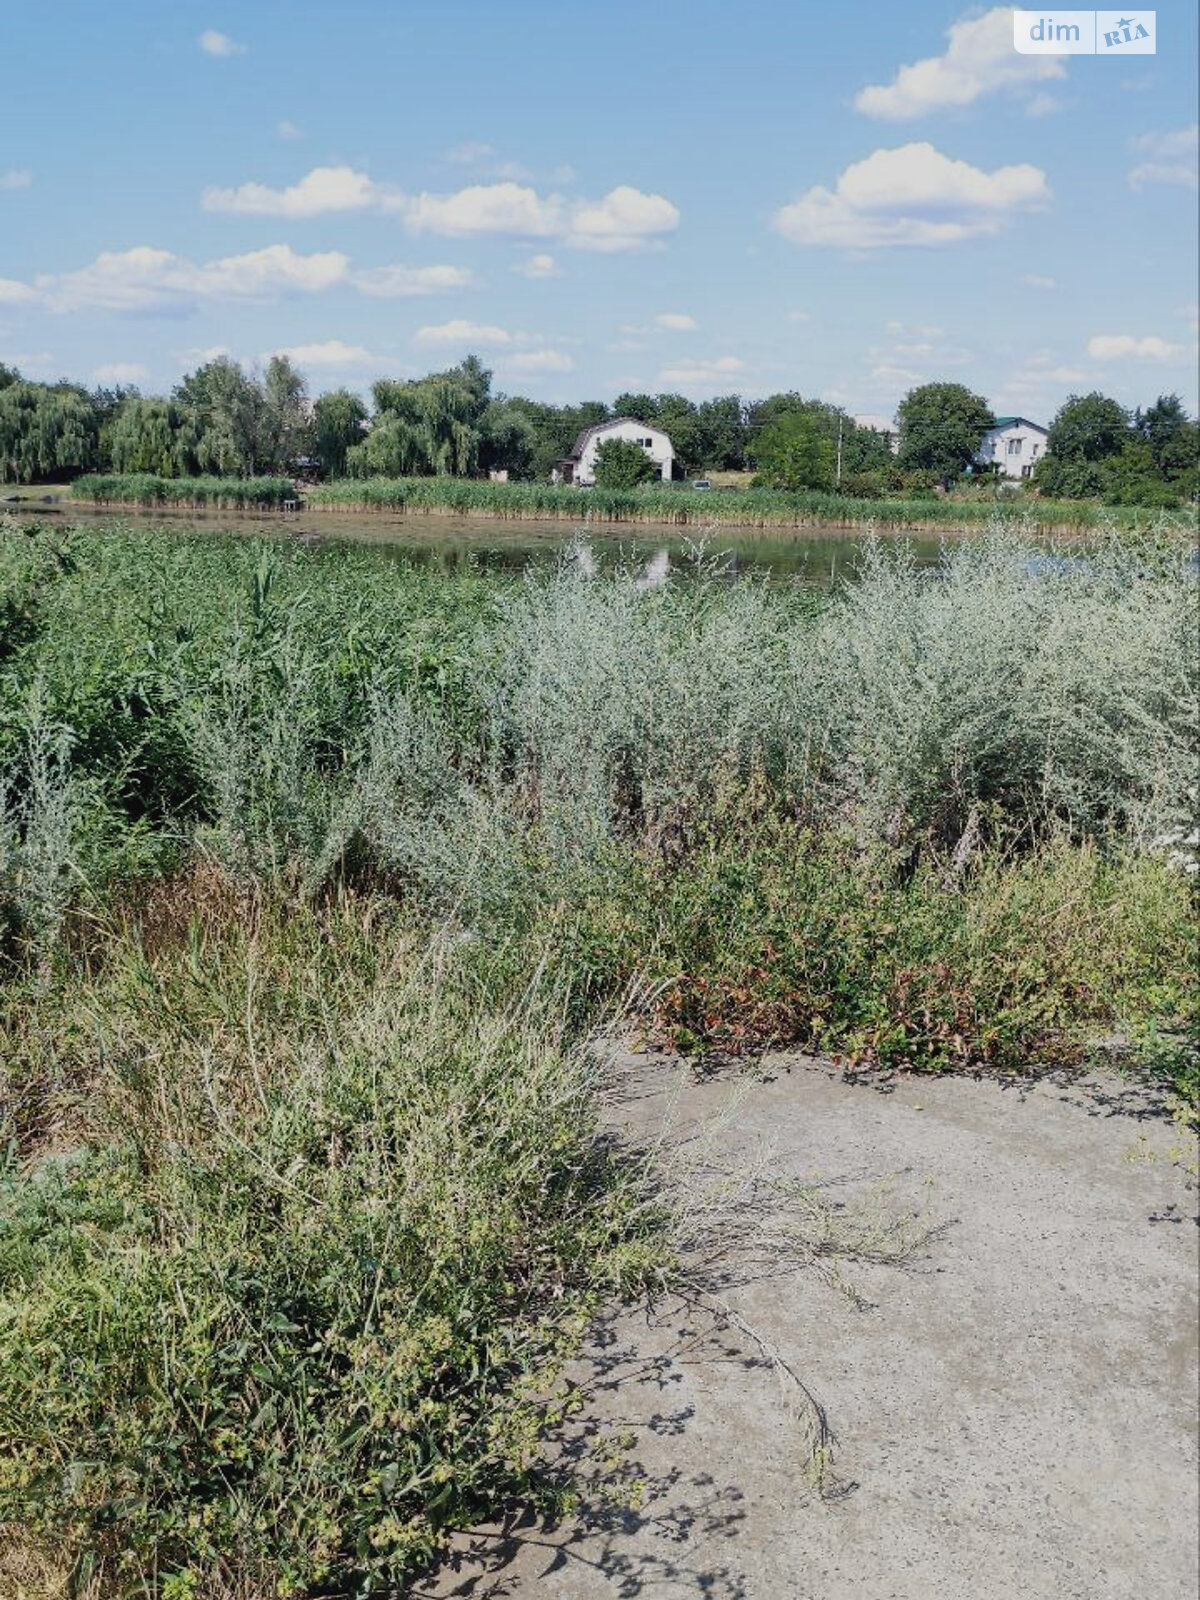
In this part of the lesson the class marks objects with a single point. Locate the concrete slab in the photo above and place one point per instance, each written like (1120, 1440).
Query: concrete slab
(1013, 1395)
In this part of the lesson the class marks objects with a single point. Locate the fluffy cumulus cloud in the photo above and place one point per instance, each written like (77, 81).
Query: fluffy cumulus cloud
(911, 196)
(624, 219)
(16, 178)
(676, 322)
(145, 279)
(402, 283)
(978, 60)
(319, 193)
(461, 332)
(1129, 347)
(121, 372)
(219, 45)
(1168, 158)
(335, 353)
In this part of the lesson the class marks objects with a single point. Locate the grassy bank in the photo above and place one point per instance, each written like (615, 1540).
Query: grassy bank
(193, 494)
(675, 506)
(318, 873)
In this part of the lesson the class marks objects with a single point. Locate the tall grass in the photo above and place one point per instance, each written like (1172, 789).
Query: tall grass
(291, 1293)
(318, 872)
(683, 507)
(144, 489)
(676, 505)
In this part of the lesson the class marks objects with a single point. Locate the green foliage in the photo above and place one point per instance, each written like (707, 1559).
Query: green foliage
(678, 506)
(1096, 449)
(142, 438)
(338, 419)
(941, 428)
(1088, 427)
(289, 1308)
(622, 464)
(766, 934)
(144, 489)
(795, 452)
(429, 425)
(48, 433)
(305, 860)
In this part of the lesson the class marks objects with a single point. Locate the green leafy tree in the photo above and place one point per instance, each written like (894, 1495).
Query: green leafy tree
(941, 428)
(509, 438)
(1089, 427)
(143, 437)
(338, 419)
(431, 425)
(221, 428)
(621, 464)
(723, 434)
(285, 424)
(48, 432)
(1173, 439)
(795, 451)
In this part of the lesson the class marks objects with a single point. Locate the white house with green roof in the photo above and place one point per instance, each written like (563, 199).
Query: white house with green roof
(1013, 445)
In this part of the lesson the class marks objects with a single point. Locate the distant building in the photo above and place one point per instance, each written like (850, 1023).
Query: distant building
(580, 466)
(1013, 447)
(881, 425)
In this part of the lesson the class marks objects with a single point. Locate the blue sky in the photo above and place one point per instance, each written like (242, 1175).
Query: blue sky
(844, 200)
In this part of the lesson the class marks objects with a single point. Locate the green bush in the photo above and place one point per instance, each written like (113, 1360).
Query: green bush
(290, 1303)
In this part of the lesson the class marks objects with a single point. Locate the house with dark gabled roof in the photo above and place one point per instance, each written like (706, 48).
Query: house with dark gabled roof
(580, 466)
(1013, 446)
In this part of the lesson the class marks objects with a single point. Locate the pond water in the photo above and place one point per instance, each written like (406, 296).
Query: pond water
(815, 556)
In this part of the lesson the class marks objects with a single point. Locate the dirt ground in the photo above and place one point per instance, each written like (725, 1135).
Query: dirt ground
(989, 1291)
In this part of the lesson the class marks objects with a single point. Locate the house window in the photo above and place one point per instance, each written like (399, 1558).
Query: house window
(1014, 447)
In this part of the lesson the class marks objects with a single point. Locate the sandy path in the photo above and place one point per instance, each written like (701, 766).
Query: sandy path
(1015, 1411)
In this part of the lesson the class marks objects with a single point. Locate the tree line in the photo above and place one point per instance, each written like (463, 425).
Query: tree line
(226, 421)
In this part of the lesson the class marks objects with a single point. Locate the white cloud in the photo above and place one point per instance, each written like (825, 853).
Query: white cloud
(1170, 158)
(625, 219)
(534, 361)
(978, 60)
(16, 178)
(148, 280)
(121, 372)
(318, 193)
(1038, 280)
(13, 293)
(1042, 379)
(484, 208)
(145, 279)
(539, 266)
(911, 196)
(1042, 105)
(677, 322)
(799, 316)
(328, 353)
(706, 376)
(288, 130)
(1128, 347)
(398, 282)
(459, 331)
(219, 44)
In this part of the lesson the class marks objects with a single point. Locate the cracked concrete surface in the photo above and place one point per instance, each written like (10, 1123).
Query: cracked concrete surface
(1014, 1404)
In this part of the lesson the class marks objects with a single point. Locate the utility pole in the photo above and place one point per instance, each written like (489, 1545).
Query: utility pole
(841, 419)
